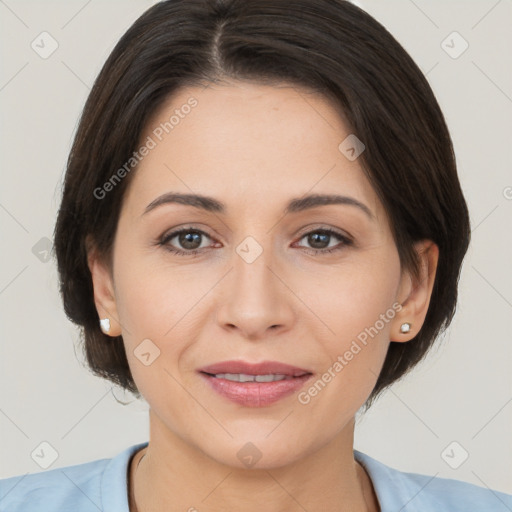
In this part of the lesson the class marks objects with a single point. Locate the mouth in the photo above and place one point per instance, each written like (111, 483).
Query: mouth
(254, 385)
(244, 377)
(254, 369)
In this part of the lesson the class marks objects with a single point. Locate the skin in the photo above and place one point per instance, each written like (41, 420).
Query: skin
(254, 147)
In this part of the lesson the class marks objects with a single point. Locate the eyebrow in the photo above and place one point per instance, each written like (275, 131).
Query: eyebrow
(294, 205)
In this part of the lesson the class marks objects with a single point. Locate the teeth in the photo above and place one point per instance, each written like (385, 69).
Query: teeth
(242, 377)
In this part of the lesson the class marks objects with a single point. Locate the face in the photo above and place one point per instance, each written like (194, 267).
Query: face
(262, 274)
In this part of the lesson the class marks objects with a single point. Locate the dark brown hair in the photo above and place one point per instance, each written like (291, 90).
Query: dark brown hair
(329, 46)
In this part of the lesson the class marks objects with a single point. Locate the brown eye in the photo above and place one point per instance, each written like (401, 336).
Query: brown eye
(320, 239)
(188, 241)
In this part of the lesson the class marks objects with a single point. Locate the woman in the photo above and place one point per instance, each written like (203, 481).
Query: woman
(261, 229)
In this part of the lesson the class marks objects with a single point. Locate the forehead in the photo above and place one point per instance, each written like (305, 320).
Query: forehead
(249, 145)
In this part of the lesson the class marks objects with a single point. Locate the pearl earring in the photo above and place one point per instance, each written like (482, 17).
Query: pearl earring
(105, 325)
(405, 327)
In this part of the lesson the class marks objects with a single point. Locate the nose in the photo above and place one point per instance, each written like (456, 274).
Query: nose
(256, 299)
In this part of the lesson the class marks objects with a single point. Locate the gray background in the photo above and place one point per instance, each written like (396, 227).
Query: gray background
(461, 393)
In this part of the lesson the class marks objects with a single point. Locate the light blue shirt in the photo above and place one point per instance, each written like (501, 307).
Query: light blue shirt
(101, 485)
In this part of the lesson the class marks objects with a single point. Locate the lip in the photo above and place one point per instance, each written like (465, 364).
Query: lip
(263, 368)
(255, 394)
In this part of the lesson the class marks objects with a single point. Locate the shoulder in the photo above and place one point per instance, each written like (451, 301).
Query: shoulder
(399, 490)
(72, 487)
(81, 487)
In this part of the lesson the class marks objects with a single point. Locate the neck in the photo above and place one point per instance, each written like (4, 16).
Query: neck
(170, 474)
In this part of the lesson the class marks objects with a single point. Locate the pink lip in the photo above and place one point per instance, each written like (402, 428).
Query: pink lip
(255, 394)
(263, 368)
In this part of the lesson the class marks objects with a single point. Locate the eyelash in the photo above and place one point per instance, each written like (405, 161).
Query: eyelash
(347, 242)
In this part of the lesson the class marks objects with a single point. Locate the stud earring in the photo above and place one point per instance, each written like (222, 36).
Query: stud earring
(405, 327)
(105, 325)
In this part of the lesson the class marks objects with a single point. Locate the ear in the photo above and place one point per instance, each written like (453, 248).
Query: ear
(414, 294)
(104, 291)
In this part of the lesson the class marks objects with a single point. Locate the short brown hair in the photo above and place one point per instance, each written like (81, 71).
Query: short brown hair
(330, 46)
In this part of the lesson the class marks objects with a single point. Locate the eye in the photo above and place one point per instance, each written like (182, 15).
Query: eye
(188, 238)
(321, 238)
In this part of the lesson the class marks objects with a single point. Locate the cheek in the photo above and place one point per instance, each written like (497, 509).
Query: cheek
(154, 294)
(356, 295)
(357, 306)
(160, 309)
